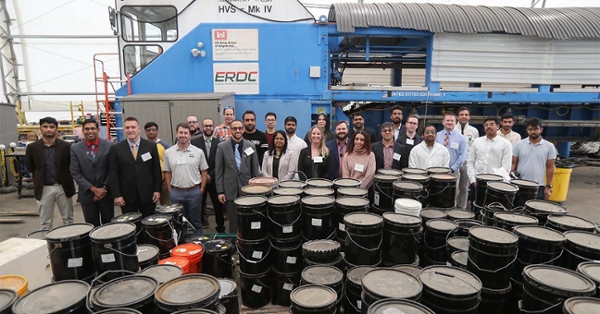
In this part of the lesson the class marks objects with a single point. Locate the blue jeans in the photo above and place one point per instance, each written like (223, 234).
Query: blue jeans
(192, 205)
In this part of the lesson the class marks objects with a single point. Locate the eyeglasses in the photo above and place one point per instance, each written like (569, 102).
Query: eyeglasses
(192, 122)
(237, 128)
(151, 130)
(270, 120)
(387, 131)
(228, 107)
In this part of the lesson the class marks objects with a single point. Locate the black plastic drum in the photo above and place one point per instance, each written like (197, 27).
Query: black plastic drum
(492, 255)
(542, 209)
(256, 289)
(283, 285)
(313, 299)
(345, 183)
(287, 254)
(364, 237)
(436, 233)
(442, 190)
(386, 283)
(136, 219)
(438, 170)
(40, 235)
(228, 296)
(114, 249)
(163, 272)
(482, 181)
(402, 235)
(71, 255)
(564, 223)
(255, 255)
(319, 183)
(318, 219)
(414, 171)
(217, 259)
(285, 214)
(390, 172)
(329, 276)
(191, 291)
(406, 189)
(581, 247)
(135, 292)
(179, 221)
(383, 191)
(312, 191)
(257, 190)
(253, 220)
(448, 289)
(147, 255)
(288, 191)
(527, 191)
(500, 192)
(353, 289)
(422, 179)
(61, 298)
(344, 206)
(353, 192)
(159, 230)
(292, 184)
(537, 245)
(508, 221)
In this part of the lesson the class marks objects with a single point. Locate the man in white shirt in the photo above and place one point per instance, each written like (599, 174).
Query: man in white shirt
(507, 121)
(294, 142)
(470, 133)
(490, 153)
(429, 153)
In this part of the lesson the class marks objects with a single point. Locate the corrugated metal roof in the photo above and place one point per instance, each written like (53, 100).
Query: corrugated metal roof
(554, 23)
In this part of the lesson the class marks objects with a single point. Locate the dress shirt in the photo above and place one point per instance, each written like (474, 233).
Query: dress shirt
(296, 144)
(487, 155)
(469, 132)
(457, 147)
(388, 155)
(137, 144)
(423, 156)
(89, 145)
(513, 137)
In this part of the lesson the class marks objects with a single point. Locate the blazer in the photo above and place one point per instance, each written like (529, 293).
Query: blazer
(201, 143)
(88, 172)
(335, 160)
(305, 164)
(287, 165)
(132, 177)
(372, 135)
(230, 180)
(399, 149)
(34, 160)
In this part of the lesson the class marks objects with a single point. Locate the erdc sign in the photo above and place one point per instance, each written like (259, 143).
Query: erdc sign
(240, 78)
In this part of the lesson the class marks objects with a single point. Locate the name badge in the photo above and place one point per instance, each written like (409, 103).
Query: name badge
(359, 167)
(146, 157)
(410, 141)
(181, 160)
(397, 156)
(249, 151)
(454, 145)
(318, 159)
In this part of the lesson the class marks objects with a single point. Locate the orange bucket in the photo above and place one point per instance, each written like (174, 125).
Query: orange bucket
(193, 253)
(180, 262)
(14, 282)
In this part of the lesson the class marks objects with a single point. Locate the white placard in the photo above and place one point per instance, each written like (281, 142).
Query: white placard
(288, 286)
(376, 198)
(291, 260)
(75, 262)
(341, 226)
(288, 229)
(257, 254)
(255, 225)
(107, 258)
(235, 44)
(256, 288)
(241, 78)
(316, 222)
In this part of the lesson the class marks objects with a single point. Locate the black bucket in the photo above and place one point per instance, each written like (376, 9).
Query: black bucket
(147, 255)
(163, 273)
(337, 262)
(492, 255)
(71, 256)
(345, 183)
(253, 222)
(134, 292)
(63, 297)
(579, 305)
(458, 214)
(488, 212)
(464, 225)
(546, 287)
(383, 191)
(198, 239)
(318, 219)
(321, 250)
(254, 255)
(395, 306)
(436, 233)
(256, 289)
(159, 230)
(450, 290)
(414, 171)
(457, 243)
(542, 209)
(114, 248)
(217, 259)
(7, 298)
(344, 206)
(591, 270)
(292, 184)
(493, 301)
(287, 254)
(501, 192)
(353, 192)
(136, 219)
(313, 299)
(407, 189)
(257, 190)
(442, 190)
(311, 191)
(581, 247)
(228, 296)
(402, 235)
(364, 236)
(285, 214)
(390, 172)
(353, 289)
(438, 170)
(188, 292)
(508, 221)
(319, 183)
(283, 285)
(527, 191)
(459, 259)
(328, 276)
(537, 245)
(564, 223)
(289, 191)
(432, 213)
(482, 181)
(39, 235)
(179, 221)
(386, 283)
(424, 181)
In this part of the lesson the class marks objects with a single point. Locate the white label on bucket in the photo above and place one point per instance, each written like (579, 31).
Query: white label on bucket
(288, 286)
(359, 304)
(288, 229)
(291, 260)
(257, 254)
(194, 252)
(256, 288)
(181, 249)
(255, 225)
(316, 222)
(169, 263)
(376, 198)
(342, 227)
(107, 258)
(75, 262)
(392, 311)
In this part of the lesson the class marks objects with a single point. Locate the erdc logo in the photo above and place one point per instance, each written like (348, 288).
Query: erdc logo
(220, 34)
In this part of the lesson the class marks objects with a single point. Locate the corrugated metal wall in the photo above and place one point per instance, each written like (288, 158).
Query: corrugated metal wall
(514, 59)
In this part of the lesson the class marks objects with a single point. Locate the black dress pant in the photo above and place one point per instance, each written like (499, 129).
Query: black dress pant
(211, 189)
(98, 213)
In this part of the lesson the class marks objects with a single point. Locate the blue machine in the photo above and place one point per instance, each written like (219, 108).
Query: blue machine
(430, 58)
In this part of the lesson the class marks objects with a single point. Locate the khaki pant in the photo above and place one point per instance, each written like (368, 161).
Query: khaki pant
(51, 195)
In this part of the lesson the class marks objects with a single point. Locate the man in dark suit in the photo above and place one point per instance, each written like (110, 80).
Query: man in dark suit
(358, 124)
(48, 160)
(337, 148)
(209, 144)
(389, 154)
(409, 137)
(89, 168)
(236, 163)
(135, 175)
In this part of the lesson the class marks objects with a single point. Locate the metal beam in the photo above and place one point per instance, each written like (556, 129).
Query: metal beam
(60, 36)
(55, 94)
(8, 65)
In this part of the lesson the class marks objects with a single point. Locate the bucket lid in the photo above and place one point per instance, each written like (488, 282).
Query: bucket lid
(317, 200)
(188, 289)
(176, 261)
(118, 311)
(69, 231)
(14, 282)
(7, 298)
(433, 213)
(582, 305)
(227, 287)
(52, 298)
(460, 257)
(571, 222)
(313, 296)
(322, 275)
(545, 207)
(585, 239)
(450, 280)
(408, 186)
(147, 252)
(353, 191)
(489, 177)
(558, 280)
(198, 239)
(411, 269)
(539, 233)
(187, 250)
(312, 191)
(162, 273)
(256, 189)
(441, 224)
(288, 191)
(351, 201)
(503, 187)
(407, 203)
(112, 230)
(460, 214)
(250, 200)
(319, 183)
(493, 235)
(39, 234)
(169, 209)
(125, 291)
(390, 172)
(401, 219)
(363, 219)
(459, 243)
(527, 183)
(444, 177)
(591, 270)
(129, 217)
(516, 219)
(385, 177)
(270, 181)
(356, 273)
(321, 247)
(346, 182)
(415, 177)
(414, 170)
(468, 223)
(292, 184)
(283, 199)
(398, 307)
(439, 170)
(391, 283)
(215, 246)
(200, 311)
(157, 220)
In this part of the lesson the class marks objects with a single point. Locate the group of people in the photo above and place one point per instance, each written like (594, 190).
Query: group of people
(218, 160)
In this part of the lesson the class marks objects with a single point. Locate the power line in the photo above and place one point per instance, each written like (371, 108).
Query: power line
(37, 17)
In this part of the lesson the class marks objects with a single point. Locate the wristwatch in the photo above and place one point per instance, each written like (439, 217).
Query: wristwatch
(549, 186)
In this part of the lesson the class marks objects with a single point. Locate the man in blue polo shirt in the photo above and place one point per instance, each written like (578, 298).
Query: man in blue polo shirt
(456, 145)
(533, 158)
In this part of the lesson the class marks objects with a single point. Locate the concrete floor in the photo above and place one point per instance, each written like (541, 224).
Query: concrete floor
(583, 200)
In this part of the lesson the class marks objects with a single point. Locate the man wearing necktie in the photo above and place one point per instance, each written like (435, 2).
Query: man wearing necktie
(235, 164)
(89, 168)
(456, 145)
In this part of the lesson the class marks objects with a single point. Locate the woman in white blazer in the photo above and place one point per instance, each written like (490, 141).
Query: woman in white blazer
(279, 162)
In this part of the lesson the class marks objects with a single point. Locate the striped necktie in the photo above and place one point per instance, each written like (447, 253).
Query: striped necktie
(446, 139)
(93, 152)
(238, 157)
(134, 151)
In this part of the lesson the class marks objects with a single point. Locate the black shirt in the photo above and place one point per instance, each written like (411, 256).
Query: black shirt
(259, 139)
(50, 164)
(275, 167)
(402, 140)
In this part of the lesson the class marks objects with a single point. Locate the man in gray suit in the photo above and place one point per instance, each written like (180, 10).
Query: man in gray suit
(236, 163)
(89, 168)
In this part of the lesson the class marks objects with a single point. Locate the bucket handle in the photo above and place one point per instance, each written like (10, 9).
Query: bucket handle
(493, 271)
(348, 236)
(456, 277)
(351, 304)
(161, 240)
(302, 173)
(276, 223)
(251, 261)
(88, 301)
(451, 232)
(546, 262)
(538, 311)
(56, 246)
(109, 247)
(415, 236)
(577, 255)
(382, 192)
(440, 192)
(505, 196)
